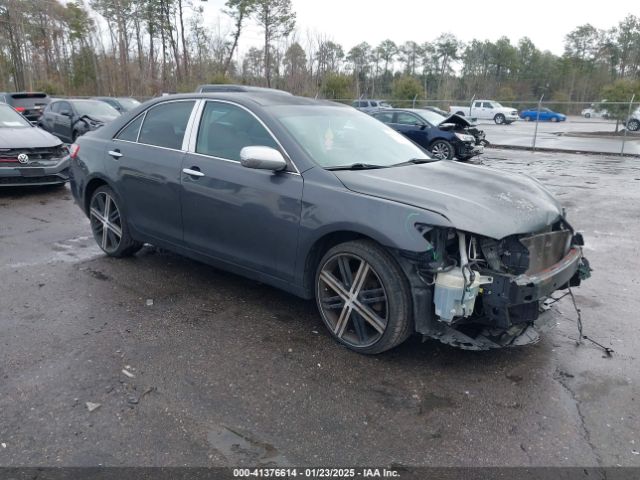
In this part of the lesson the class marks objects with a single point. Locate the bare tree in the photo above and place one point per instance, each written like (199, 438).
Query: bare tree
(277, 19)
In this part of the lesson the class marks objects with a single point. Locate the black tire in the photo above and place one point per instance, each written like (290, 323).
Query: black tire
(442, 149)
(526, 118)
(554, 119)
(394, 287)
(587, 115)
(113, 246)
(633, 125)
(499, 119)
(74, 136)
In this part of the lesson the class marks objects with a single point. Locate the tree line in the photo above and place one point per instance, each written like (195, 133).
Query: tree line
(145, 47)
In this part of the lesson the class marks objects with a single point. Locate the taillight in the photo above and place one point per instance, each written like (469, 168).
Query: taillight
(74, 149)
(20, 109)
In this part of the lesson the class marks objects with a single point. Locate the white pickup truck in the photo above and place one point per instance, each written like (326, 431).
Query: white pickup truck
(486, 110)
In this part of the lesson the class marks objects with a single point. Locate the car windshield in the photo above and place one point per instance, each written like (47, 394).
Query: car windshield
(9, 118)
(95, 107)
(432, 117)
(128, 103)
(340, 137)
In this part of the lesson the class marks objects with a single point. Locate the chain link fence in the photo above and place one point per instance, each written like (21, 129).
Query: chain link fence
(591, 127)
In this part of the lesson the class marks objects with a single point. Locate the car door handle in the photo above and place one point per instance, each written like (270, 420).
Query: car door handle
(193, 172)
(115, 153)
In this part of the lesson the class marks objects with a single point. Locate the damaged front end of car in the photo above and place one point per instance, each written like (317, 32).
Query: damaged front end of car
(479, 293)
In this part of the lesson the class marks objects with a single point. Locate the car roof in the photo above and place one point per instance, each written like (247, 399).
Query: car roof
(232, 87)
(261, 97)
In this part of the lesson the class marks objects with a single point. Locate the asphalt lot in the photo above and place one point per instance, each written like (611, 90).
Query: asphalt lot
(562, 135)
(225, 371)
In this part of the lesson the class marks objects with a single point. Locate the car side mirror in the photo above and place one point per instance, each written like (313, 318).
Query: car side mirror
(65, 113)
(262, 158)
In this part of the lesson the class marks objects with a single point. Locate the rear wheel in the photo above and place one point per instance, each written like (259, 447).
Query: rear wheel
(363, 297)
(109, 226)
(499, 119)
(527, 118)
(633, 125)
(442, 149)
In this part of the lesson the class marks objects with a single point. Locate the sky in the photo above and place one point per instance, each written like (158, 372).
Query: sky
(350, 22)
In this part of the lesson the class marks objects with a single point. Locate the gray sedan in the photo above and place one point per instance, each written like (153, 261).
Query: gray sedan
(329, 204)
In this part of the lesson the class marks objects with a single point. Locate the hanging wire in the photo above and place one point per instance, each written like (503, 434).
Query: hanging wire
(608, 351)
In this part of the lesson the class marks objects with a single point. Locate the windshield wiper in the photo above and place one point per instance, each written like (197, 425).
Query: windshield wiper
(415, 161)
(356, 166)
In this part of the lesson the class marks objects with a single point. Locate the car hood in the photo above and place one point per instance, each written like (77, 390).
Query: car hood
(453, 121)
(474, 199)
(27, 138)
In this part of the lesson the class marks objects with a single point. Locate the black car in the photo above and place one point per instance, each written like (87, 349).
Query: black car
(444, 137)
(121, 104)
(28, 154)
(67, 119)
(29, 104)
(326, 202)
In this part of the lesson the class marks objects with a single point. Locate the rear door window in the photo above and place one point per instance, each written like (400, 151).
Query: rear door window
(130, 132)
(165, 124)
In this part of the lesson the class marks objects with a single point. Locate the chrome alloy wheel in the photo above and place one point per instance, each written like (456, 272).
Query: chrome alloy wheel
(352, 300)
(105, 222)
(441, 150)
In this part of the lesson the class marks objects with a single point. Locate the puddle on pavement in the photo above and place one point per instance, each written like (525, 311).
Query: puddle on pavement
(242, 450)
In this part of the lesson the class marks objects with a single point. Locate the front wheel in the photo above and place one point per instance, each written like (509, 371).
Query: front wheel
(499, 119)
(633, 125)
(363, 297)
(109, 226)
(587, 115)
(554, 119)
(442, 149)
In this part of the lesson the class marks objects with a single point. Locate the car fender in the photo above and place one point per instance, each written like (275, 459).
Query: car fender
(323, 214)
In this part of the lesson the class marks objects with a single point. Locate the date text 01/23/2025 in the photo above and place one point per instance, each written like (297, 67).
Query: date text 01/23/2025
(315, 472)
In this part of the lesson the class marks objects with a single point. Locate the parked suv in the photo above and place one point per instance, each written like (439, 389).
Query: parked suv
(29, 104)
(369, 106)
